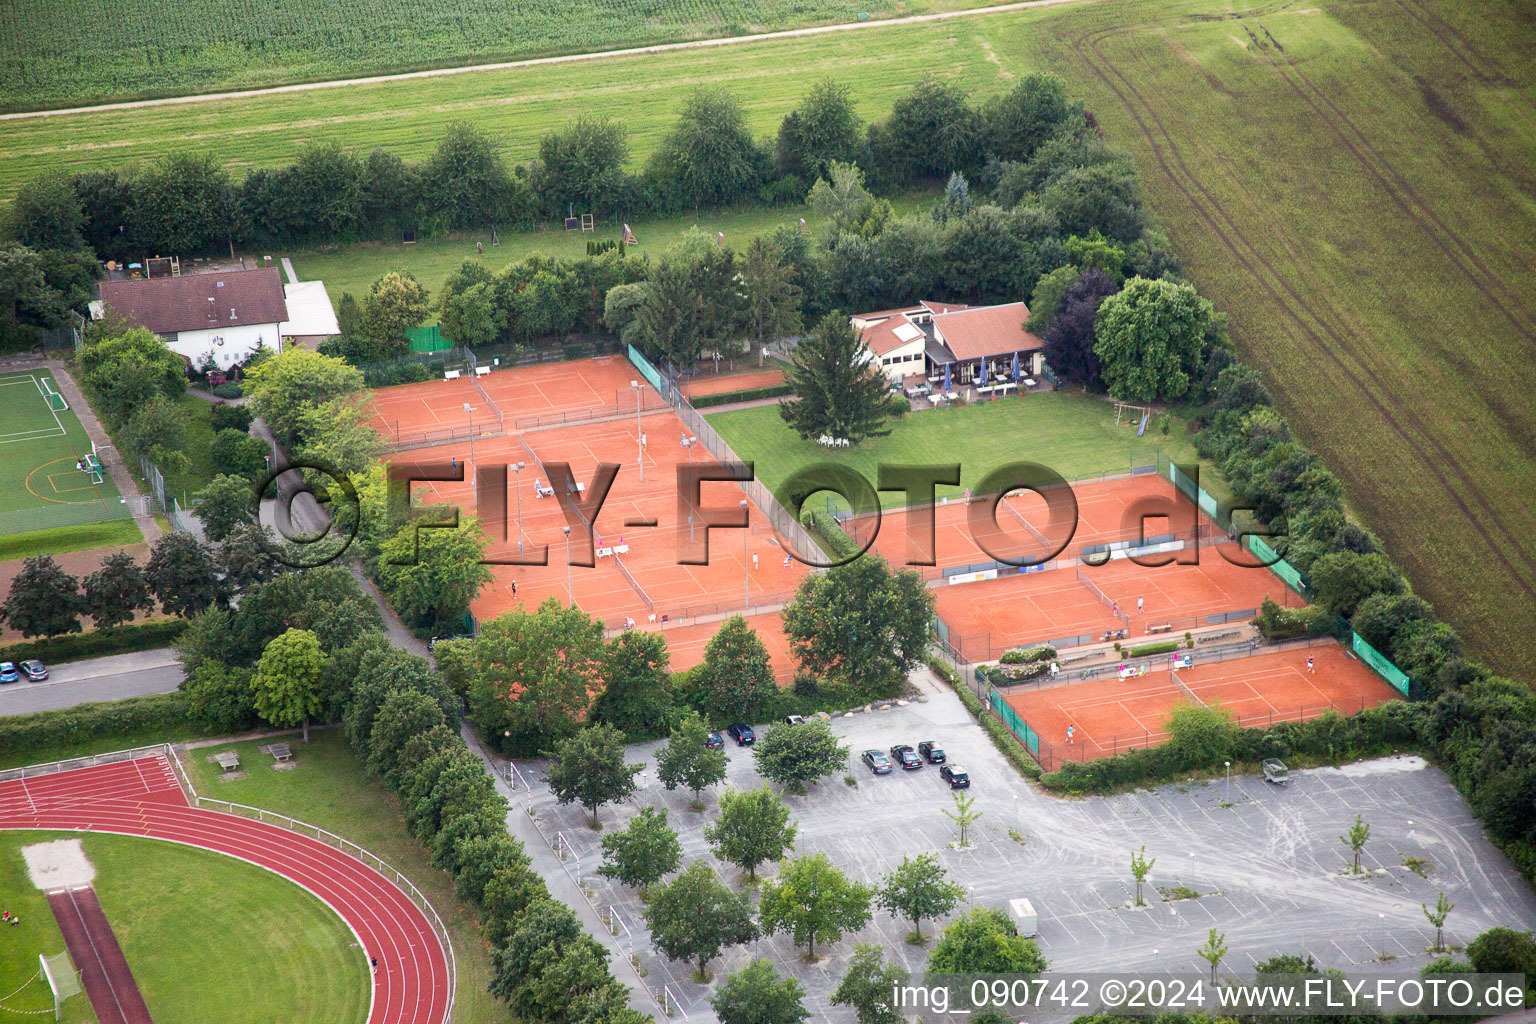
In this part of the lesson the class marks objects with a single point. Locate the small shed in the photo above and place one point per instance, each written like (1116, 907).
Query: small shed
(1024, 918)
(311, 318)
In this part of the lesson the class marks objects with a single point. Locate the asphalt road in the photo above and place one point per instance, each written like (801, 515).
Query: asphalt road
(96, 679)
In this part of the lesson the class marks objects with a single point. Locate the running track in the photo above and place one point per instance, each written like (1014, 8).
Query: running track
(143, 798)
(104, 973)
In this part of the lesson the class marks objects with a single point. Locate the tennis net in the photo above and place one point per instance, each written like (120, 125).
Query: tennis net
(1097, 592)
(1045, 545)
(1186, 691)
(501, 421)
(650, 606)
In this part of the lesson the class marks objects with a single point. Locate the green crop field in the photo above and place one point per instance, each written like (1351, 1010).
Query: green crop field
(1069, 433)
(68, 52)
(1349, 179)
(281, 953)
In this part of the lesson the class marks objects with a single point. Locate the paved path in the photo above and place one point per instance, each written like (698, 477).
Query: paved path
(569, 58)
(95, 679)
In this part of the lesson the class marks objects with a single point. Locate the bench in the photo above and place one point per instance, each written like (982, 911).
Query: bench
(452, 374)
(481, 371)
(604, 552)
(229, 760)
(1166, 627)
(280, 751)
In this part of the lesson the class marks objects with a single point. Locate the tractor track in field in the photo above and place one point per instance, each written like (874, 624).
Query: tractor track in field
(1464, 52)
(1224, 227)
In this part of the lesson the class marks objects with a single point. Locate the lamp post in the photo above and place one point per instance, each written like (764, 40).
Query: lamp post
(746, 585)
(1229, 780)
(568, 598)
(634, 386)
(470, 409)
(518, 467)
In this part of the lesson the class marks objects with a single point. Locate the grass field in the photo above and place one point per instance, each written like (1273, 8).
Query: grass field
(69, 52)
(1069, 433)
(329, 788)
(354, 268)
(208, 937)
(110, 533)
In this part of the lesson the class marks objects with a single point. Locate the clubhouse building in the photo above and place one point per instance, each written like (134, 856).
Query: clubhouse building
(951, 346)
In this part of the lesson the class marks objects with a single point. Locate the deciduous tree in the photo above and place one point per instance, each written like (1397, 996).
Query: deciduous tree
(753, 828)
(735, 673)
(918, 888)
(646, 850)
(227, 502)
(693, 917)
(184, 576)
(635, 698)
(44, 599)
(984, 941)
(793, 755)
(757, 994)
(861, 624)
(812, 900)
(868, 986)
(1151, 339)
(589, 768)
(687, 761)
(116, 591)
(287, 680)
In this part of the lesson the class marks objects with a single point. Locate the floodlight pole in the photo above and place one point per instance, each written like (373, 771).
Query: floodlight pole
(634, 386)
(688, 443)
(746, 586)
(518, 467)
(1229, 780)
(471, 410)
(569, 599)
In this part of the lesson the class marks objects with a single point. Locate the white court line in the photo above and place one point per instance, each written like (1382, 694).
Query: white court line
(33, 435)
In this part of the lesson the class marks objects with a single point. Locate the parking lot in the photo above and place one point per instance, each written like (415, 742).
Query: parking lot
(1268, 863)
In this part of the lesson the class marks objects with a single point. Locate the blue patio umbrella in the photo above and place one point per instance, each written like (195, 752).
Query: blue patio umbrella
(1015, 367)
(983, 369)
(947, 388)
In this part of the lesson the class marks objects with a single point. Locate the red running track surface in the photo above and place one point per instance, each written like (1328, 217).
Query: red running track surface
(104, 972)
(142, 798)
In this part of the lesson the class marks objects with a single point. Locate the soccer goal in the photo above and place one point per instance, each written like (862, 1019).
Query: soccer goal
(62, 978)
(55, 400)
(105, 455)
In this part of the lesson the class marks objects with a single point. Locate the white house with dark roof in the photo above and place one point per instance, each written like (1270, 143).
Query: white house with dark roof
(226, 315)
(919, 342)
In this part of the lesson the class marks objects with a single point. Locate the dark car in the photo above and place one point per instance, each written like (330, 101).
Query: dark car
(8, 672)
(34, 670)
(742, 734)
(931, 751)
(956, 776)
(878, 762)
(905, 756)
(714, 741)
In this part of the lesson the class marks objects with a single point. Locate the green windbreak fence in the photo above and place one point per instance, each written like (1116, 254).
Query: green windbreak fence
(648, 371)
(427, 339)
(1219, 515)
(1279, 566)
(1380, 664)
(1015, 724)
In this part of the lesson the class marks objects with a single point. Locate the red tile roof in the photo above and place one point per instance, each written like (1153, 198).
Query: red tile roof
(168, 305)
(986, 331)
(885, 336)
(943, 307)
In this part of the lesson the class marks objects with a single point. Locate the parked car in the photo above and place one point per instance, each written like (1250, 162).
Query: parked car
(742, 734)
(34, 670)
(904, 755)
(931, 751)
(450, 636)
(878, 762)
(714, 741)
(956, 776)
(793, 720)
(8, 673)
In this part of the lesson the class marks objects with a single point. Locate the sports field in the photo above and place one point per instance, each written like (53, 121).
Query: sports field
(280, 953)
(40, 485)
(1114, 714)
(1356, 202)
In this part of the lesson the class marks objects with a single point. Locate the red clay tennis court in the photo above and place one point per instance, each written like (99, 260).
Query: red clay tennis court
(686, 644)
(719, 384)
(1114, 714)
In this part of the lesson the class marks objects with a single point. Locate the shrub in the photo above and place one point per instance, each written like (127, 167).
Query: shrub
(1161, 647)
(229, 389)
(744, 395)
(49, 729)
(1280, 623)
(838, 543)
(1022, 656)
(231, 417)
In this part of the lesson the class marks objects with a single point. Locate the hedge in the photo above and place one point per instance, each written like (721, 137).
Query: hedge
(145, 636)
(744, 395)
(93, 721)
(1161, 647)
(1023, 656)
(838, 543)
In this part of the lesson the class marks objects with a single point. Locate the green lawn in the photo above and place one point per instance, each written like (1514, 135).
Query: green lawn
(330, 788)
(209, 937)
(109, 533)
(1073, 434)
(354, 268)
